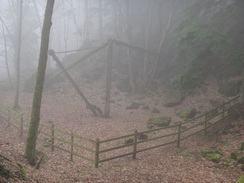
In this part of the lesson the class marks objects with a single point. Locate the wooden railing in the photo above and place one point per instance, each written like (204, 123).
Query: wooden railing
(97, 151)
(51, 136)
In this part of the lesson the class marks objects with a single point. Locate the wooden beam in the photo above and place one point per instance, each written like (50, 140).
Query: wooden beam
(122, 43)
(83, 57)
(81, 94)
(108, 80)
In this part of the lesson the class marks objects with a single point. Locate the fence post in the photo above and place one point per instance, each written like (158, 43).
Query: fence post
(223, 112)
(72, 147)
(135, 144)
(97, 152)
(21, 125)
(8, 117)
(178, 141)
(205, 123)
(52, 137)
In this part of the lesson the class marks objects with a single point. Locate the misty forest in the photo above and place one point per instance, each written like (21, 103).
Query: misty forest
(122, 91)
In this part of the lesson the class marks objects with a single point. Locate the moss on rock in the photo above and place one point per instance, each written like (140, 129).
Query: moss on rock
(142, 136)
(241, 160)
(133, 105)
(129, 140)
(241, 179)
(155, 110)
(214, 157)
(233, 156)
(146, 107)
(158, 122)
(173, 99)
(230, 88)
(215, 103)
(213, 154)
(242, 146)
(187, 113)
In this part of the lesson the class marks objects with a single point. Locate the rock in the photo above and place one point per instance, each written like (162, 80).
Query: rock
(212, 150)
(129, 140)
(133, 105)
(123, 85)
(142, 136)
(146, 107)
(158, 122)
(213, 154)
(212, 113)
(242, 146)
(241, 179)
(187, 113)
(215, 103)
(233, 156)
(214, 157)
(173, 99)
(241, 160)
(155, 110)
(230, 88)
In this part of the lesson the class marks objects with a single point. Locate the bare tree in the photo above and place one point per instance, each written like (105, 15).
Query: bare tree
(129, 58)
(147, 38)
(17, 55)
(100, 19)
(6, 55)
(154, 68)
(30, 148)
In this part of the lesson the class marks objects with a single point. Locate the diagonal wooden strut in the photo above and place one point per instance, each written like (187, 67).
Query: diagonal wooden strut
(93, 108)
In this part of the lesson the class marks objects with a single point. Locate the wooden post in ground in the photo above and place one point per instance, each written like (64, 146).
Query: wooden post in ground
(205, 122)
(9, 118)
(72, 147)
(97, 152)
(223, 112)
(52, 138)
(81, 94)
(108, 80)
(135, 144)
(178, 140)
(21, 125)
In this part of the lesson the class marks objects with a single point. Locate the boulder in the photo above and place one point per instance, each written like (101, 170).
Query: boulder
(241, 179)
(187, 113)
(158, 122)
(241, 160)
(213, 154)
(155, 110)
(133, 105)
(129, 140)
(142, 136)
(230, 88)
(173, 99)
(214, 157)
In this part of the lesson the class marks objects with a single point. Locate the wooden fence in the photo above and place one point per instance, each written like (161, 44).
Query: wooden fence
(98, 151)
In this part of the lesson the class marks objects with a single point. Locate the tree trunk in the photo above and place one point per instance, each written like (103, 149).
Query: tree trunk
(86, 21)
(37, 14)
(129, 58)
(17, 56)
(100, 19)
(30, 148)
(109, 76)
(6, 57)
(148, 33)
(154, 68)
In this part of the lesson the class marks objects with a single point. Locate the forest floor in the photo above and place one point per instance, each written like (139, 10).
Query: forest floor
(167, 164)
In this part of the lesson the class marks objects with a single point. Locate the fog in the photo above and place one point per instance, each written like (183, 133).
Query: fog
(75, 22)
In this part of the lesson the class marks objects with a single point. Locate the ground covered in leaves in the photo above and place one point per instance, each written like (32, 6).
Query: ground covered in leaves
(166, 164)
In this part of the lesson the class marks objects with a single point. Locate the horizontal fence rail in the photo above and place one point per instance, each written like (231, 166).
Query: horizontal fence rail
(97, 151)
